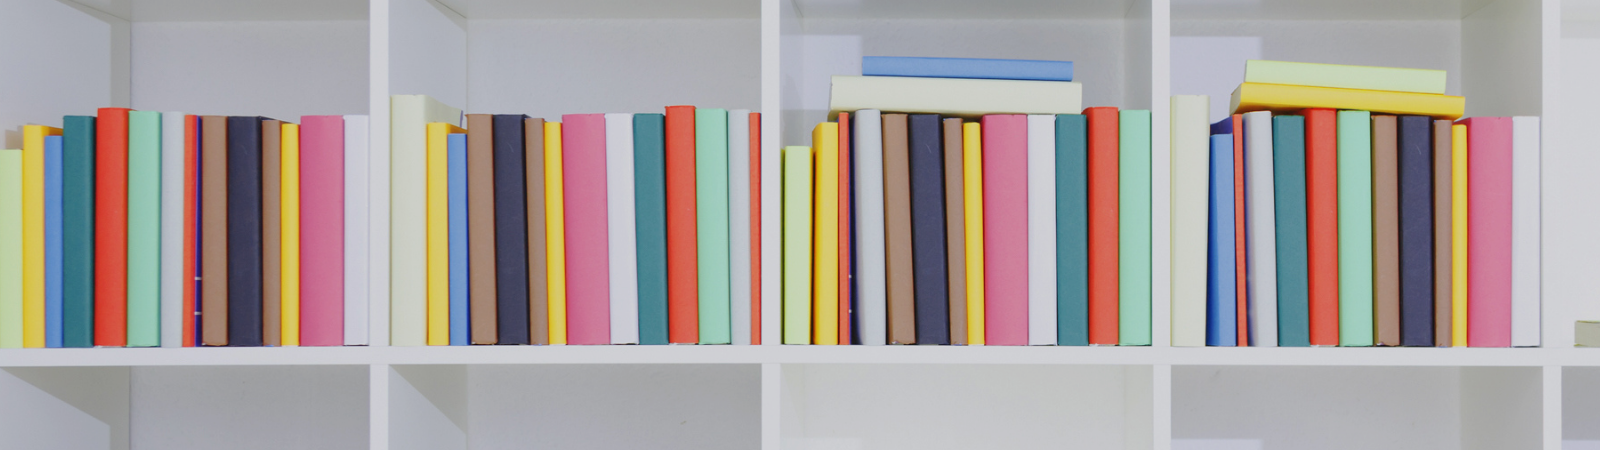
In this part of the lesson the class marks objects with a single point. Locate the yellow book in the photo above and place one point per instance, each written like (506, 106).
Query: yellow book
(1290, 98)
(33, 233)
(972, 188)
(289, 200)
(555, 234)
(439, 232)
(1458, 235)
(825, 227)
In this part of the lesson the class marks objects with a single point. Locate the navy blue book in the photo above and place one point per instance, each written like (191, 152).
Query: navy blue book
(927, 230)
(1416, 231)
(510, 231)
(1221, 306)
(1072, 229)
(993, 69)
(244, 231)
(650, 222)
(1289, 202)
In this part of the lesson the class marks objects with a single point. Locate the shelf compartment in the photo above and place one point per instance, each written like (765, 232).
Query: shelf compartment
(1580, 408)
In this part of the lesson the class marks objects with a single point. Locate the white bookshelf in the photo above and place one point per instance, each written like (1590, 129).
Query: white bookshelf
(286, 58)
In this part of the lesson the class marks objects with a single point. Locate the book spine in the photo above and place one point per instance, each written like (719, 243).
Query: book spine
(438, 232)
(583, 158)
(711, 223)
(956, 229)
(290, 227)
(1240, 253)
(622, 238)
(191, 225)
(1415, 161)
(1134, 222)
(1190, 144)
(739, 220)
(1072, 229)
(534, 170)
(755, 228)
(1355, 229)
(683, 291)
(214, 230)
(972, 196)
(928, 232)
(78, 274)
(1386, 268)
(996, 69)
(144, 229)
(33, 240)
(1042, 294)
(1103, 226)
(1322, 224)
(897, 225)
(173, 278)
(649, 169)
(244, 232)
(555, 220)
(1221, 299)
(1459, 223)
(846, 232)
(1262, 263)
(1443, 239)
(52, 243)
(1005, 192)
(111, 228)
(271, 233)
(825, 226)
(1289, 208)
(458, 229)
(871, 268)
(508, 308)
(407, 216)
(1525, 270)
(482, 213)
(797, 245)
(1489, 224)
(11, 243)
(322, 226)
(357, 222)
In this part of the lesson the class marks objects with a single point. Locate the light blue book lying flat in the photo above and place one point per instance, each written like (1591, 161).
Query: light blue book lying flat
(993, 69)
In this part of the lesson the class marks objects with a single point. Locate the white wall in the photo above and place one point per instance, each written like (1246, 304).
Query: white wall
(57, 62)
(256, 407)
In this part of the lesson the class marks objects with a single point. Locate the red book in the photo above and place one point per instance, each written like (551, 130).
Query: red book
(844, 228)
(1322, 223)
(1005, 232)
(683, 274)
(1242, 311)
(191, 160)
(755, 228)
(1103, 224)
(111, 228)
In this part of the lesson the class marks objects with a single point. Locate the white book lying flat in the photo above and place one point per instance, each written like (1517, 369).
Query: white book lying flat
(955, 96)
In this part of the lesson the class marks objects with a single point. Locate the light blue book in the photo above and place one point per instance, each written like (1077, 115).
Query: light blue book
(993, 69)
(460, 295)
(52, 242)
(1221, 311)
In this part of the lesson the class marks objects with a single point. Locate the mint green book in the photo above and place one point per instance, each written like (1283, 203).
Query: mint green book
(1133, 210)
(711, 222)
(1355, 229)
(10, 248)
(796, 245)
(1396, 79)
(144, 229)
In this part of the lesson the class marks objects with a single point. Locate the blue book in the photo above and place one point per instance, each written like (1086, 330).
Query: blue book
(1221, 310)
(1072, 229)
(1289, 202)
(993, 69)
(460, 279)
(927, 231)
(52, 241)
(1416, 231)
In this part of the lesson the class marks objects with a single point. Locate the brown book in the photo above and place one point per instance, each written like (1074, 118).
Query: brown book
(214, 230)
(1441, 232)
(480, 229)
(955, 231)
(533, 175)
(271, 232)
(1386, 227)
(897, 223)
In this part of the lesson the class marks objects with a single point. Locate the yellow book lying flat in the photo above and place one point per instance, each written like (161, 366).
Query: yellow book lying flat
(1289, 98)
(825, 252)
(439, 232)
(555, 234)
(289, 198)
(33, 233)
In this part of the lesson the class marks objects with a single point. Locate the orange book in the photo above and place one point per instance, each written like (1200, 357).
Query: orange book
(1243, 304)
(1103, 224)
(1322, 223)
(755, 228)
(844, 228)
(111, 228)
(191, 160)
(683, 275)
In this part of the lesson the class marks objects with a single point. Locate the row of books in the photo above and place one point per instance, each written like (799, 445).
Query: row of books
(143, 229)
(598, 229)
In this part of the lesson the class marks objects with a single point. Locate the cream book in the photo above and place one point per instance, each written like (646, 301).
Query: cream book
(954, 96)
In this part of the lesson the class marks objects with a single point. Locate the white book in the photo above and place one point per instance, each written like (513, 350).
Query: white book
(1525, 238)
(408, 213)
(356, 222)
(622, 242)
(954, 96)
(739, 222)
(1041, 229)
(1190, 157)
(1261, 241)
(871, 275)
(173, 230)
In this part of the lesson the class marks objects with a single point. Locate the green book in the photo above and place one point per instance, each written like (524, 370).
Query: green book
(797, 245)
(1289, 202)
(144, 229)
(1355, 229)
(711, 223)
(1072, 230)
(1348, 77)
(650, 184)
(10, 249)
(1133, 209)
(77, 231)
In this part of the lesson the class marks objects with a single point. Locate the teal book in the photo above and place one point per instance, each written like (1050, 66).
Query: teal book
(650, 222)
(1355, 229)
(1072, 229)
(711, 220)
(460, 275)
(1134, 240)
(77, 231)
(144, 229)
(1289, 201)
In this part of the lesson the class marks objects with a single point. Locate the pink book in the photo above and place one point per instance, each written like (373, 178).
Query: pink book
(1005, 229)
(583, 153)
(1488, 231)
(322, 230)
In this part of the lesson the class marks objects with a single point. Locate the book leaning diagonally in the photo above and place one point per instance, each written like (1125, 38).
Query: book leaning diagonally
(1191, 145)
(409, 116)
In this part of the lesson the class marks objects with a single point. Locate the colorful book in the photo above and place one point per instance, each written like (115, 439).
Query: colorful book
(711, 224)
(290, 216)
(1386, 267)
(358, 221)
(846, 233)
(1288, 98)
(1261, 286)
(683, 278)
(927, 230)
(1042, 283)
(403, 205)
(1134, 221)
(1459, 243)
(534, 170)
(622, 238)
(191, 224)
(214, 231)
(955, 229)
(1190, 157)
(871, 267)
(796, 245)
(901, 279)
(1443, 232)
(483, 308)
(438, 226)
(511, 305)
(1072, 229)
(954, 97)
(825, 226)
(649, 173)
(111, 228)
(78, 274)
(740, 241)
(11, 243)
(1289, 209)
(972, 193)
(1398, 79)
(52, 243)
(1490, 156)
(992, 69)
(1322, 224)
(458, 229)
(1102, 218)
(1005, 213)
(1416, 230)
(245, 249)
(756, 239)
(271, 233)
(173, 279)
(555, 233)
(33, 234)
(322, 257)
(583, 158)
(1525, 224)
(1240, 255)
(1355, 229)
(1221, 299)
